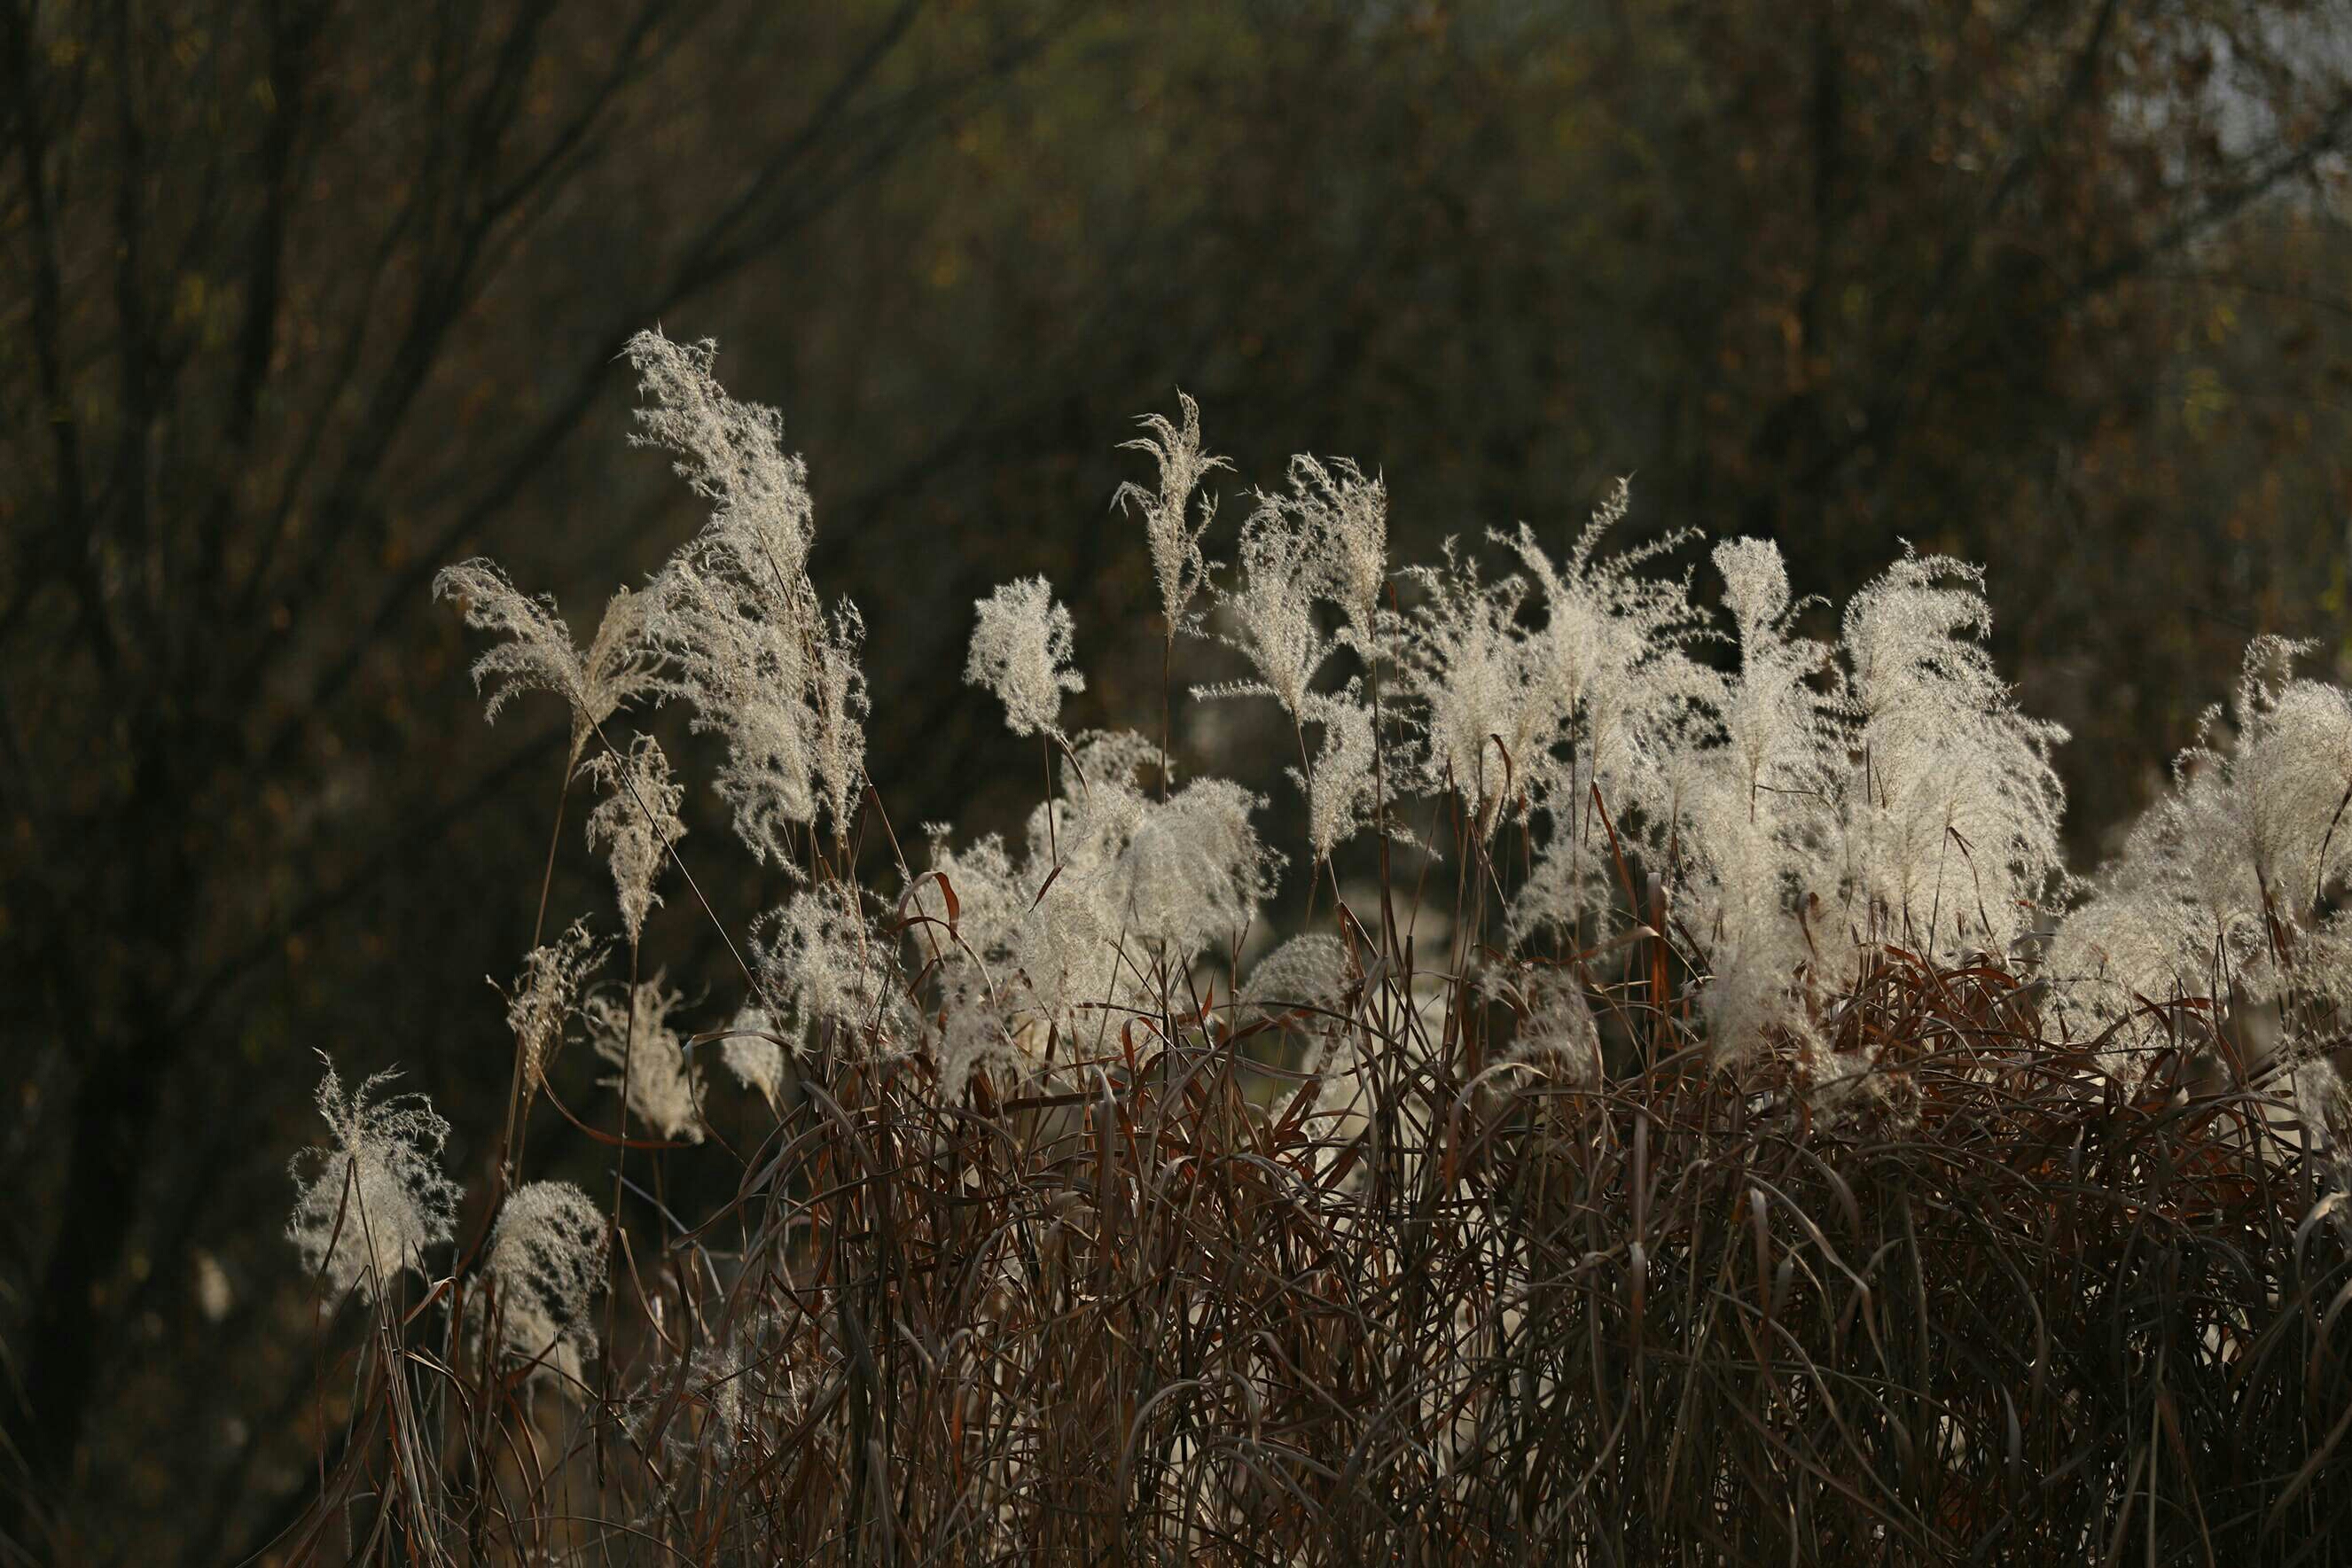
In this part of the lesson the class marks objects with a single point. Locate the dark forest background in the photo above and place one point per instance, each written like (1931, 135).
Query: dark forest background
(300, 299)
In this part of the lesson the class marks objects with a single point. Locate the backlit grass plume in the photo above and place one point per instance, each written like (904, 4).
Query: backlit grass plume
(1655, 1095)
(635, 824)
(742, 635)
(1951, 826)
(1178, 565)
(545, 995)
(1020, 649)
(538, 653)
(373, 1199)
(545, 1260)
(631, 1032)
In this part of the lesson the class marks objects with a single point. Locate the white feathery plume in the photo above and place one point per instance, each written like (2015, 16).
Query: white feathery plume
(1611, 679)
(1781, 727)
(732, 453)
(988, 1012)
(744, 663)
(1346, 516)
(370, 1202)
(636, 823)
(2219, 887)
(540, 1002)
(662, 1087)
(1192, 872)
(1467, 671)
(752, 1050)
(2322, 1105)
(1042, 942)
(820, 955)
(545, 1260)
(734, 616)
(1557, 1036)
(619, 666)
(1273, 611)
(1342, 792)
(1177, 563)
(1178, 874)
(2124, 952)
(2293, 768)
(839, 707)
(539, 654)
(1950, 815)
(1611, 660)
(1311, 970)
(1313, 979)
(1021, 650)
(1747, 890)
(1753, 811)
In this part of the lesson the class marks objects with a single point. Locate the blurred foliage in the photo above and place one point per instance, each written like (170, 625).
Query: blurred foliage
(301, 298)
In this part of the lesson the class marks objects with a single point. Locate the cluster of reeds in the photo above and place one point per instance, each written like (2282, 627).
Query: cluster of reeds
(1689, 1146)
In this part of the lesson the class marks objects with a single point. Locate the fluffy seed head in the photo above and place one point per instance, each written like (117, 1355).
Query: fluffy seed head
(1951, 821)
(1118, 890)
(657, 1081)
(370, 1201)
(1342, 792)
(822, 957)
(740, 630)
(545, 1260)
(1346, 515)
(1273, 609)
(732, 453)
(540, 1003)
(538, 653)
(1557, 1036)
(1467, 670)
(1176, 561)
(839, 707)
(2293, 772)
(635, 824)
(1310, 970)
(753, 1053)
(1020, 649)
(1614, 688)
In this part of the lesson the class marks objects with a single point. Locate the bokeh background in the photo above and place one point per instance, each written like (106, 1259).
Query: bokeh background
(300, 299)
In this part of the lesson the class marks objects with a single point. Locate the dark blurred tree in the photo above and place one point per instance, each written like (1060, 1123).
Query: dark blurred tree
(301, 300)
(301, 297)
(1846, 274)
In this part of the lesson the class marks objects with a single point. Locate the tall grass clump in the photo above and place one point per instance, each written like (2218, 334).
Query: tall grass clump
(1690, 1116)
